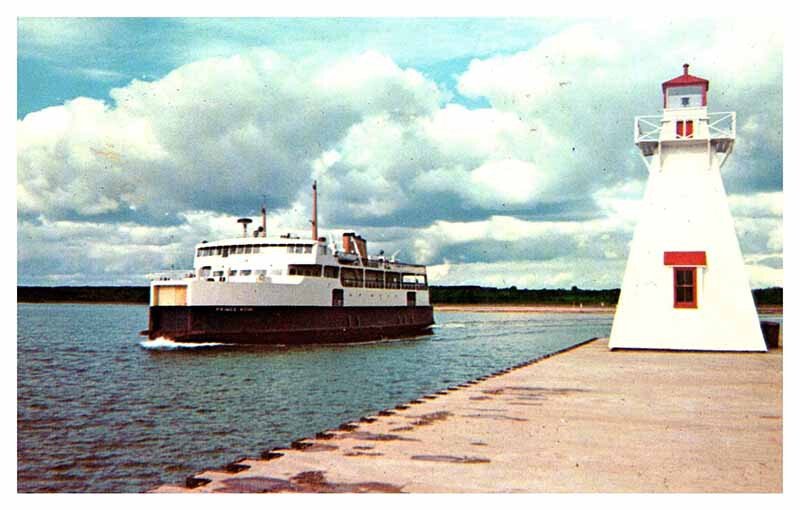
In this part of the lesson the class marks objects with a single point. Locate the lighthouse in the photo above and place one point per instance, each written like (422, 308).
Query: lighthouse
(685, 285)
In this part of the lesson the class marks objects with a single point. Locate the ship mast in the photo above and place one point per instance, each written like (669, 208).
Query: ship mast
(263, 220)
(314, 232)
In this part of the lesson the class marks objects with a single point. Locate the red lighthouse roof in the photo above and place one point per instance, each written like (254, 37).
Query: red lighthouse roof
(685, 79)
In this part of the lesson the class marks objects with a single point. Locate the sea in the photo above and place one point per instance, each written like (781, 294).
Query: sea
(102, 409)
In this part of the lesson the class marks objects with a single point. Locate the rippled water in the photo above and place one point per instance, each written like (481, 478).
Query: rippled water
(98, 412)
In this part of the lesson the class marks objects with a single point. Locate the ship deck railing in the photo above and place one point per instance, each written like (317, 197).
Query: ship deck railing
(172, 275)
(372, 284)
(377, 263)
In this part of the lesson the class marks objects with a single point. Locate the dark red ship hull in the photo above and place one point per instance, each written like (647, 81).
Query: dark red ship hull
(287, 325)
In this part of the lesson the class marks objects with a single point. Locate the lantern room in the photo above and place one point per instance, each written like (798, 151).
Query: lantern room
(685, 91)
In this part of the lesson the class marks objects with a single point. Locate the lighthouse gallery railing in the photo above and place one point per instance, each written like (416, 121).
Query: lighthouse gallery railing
(648, 128)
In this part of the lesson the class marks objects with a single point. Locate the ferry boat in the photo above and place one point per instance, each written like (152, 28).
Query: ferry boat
(289, 290)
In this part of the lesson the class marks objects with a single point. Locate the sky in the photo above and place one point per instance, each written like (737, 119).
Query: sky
(498, 151)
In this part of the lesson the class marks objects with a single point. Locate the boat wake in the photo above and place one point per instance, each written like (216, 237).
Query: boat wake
(451, 325)
(165, 344)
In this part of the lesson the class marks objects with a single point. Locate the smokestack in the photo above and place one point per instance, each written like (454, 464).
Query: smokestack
(314, 235)
(263, 221)
(244, 222)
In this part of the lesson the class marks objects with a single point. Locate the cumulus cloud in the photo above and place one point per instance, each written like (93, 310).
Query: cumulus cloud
(541, 188)
(216, 134)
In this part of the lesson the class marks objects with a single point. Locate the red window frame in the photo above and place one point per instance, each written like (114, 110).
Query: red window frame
(683, 303)
(684, 129)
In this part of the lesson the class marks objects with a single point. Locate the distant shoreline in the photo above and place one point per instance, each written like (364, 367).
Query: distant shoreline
(556, 308)
(473, 308)
(523, 308)
(443, 298)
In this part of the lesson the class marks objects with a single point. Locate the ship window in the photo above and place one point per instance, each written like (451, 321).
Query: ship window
(217, 273)
(224, 251)
(331, 272)
(685, 292)
(248, 249)
(307, 248)
(245, 272)
(352, 277)
(392, 280)
(305, 269)
(414, 281)
(373, 279)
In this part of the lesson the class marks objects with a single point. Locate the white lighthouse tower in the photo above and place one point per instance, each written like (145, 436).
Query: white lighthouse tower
(685, 285)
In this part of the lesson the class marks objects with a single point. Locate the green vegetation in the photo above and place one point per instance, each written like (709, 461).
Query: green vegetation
(770, 296)
(462, 294)
(83, 295)
(490, 295)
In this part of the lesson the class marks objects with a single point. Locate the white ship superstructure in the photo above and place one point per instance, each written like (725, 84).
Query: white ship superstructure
(289, 271)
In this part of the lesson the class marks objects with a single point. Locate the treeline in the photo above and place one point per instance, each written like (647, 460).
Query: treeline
(83, 295)
(457, 295)
(770, 296)
(473, 294)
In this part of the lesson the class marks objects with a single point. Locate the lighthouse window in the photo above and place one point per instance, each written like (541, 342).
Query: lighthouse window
(685, 279)
(685, 97)
(684, 129)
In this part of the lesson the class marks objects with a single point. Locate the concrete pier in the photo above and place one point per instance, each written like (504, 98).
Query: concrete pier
(586, 420)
